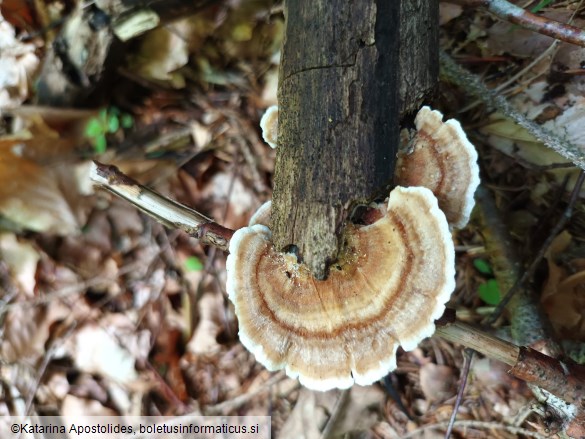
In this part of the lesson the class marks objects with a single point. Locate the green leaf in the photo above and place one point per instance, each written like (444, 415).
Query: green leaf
(192, 263)
(127, 121)
(103, 115)
(100, 144)
(94, 128)
(482, 266)
(541, 5)
(489, 292)
(113, 123)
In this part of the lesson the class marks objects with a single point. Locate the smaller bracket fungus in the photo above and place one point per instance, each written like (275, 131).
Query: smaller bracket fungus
(391, 282)
(262, 215)
(442, 159)
(269, 125)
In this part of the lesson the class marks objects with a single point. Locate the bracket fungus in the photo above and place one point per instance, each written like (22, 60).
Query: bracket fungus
(269, 126)
(442, 159)
(391, 282)
(262, 215)
(439, 157)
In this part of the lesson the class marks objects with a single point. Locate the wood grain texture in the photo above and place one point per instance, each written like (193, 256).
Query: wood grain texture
(419, 54)
(338, 124)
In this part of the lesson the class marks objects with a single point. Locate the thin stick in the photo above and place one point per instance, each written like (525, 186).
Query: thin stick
(476, 424)
(564, 380)
(487, 344)
(338, 410)
(545, 26)
(166, 211)
(49, 355)
(532, 268)
(517, 15)
(235, 403)
(474, 86)
(467, 357)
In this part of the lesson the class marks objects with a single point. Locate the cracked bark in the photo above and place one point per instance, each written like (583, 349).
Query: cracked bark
(340, 96)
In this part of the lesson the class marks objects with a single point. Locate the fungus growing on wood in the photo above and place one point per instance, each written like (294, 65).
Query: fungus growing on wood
(269, 125)
(262, 215)
(390, 283)
(442, 159)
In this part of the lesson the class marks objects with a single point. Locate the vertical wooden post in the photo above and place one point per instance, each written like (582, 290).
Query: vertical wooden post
(339, 118)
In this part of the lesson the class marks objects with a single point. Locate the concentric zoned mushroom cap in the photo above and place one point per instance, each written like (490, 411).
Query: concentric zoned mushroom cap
(442, 159)
(390, 283)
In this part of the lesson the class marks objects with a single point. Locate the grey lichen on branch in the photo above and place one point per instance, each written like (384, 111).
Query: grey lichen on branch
(474, 86)
(166, 211)
(505, 10)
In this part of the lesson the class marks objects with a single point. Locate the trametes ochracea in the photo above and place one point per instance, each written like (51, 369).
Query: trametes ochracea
(389, 284)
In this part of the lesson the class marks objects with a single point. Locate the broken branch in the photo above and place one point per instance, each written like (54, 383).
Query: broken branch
(166, 211)
(563, 379)
(537, 23)
(472, 85)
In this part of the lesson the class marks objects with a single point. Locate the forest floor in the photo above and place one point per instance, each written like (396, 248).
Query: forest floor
(105, 312)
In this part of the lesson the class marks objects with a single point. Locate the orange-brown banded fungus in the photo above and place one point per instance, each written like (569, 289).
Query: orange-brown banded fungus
(442, 159)
(391, 282)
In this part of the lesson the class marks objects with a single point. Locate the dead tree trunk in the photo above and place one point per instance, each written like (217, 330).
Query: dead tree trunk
(339, 113)
(419, 52)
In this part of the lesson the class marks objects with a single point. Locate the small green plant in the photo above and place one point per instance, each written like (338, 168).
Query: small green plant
(541, 5)
(192, 263)
(489, 291)
(108, 121)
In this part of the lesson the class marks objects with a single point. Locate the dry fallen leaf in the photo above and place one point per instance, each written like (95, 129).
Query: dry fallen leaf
(563, 297)
(163, 51)
(438, 382)
(30, 196)
(98, 351)
(18, 62)
(306, 419)
(21, 258)
(204, 339)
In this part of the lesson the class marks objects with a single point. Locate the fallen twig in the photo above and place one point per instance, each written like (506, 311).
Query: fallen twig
(563, 379)
(338, 410)
(231, 405)
(474, 86)
(538, 23)
(475, 424)
(166, 211)
(467, 357)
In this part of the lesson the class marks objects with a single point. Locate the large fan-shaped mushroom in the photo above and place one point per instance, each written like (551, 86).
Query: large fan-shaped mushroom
(389, 285)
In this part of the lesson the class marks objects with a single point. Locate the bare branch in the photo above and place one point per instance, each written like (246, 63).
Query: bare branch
(472, 84)
(517, 15)
(563, 379)
(166, 211)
